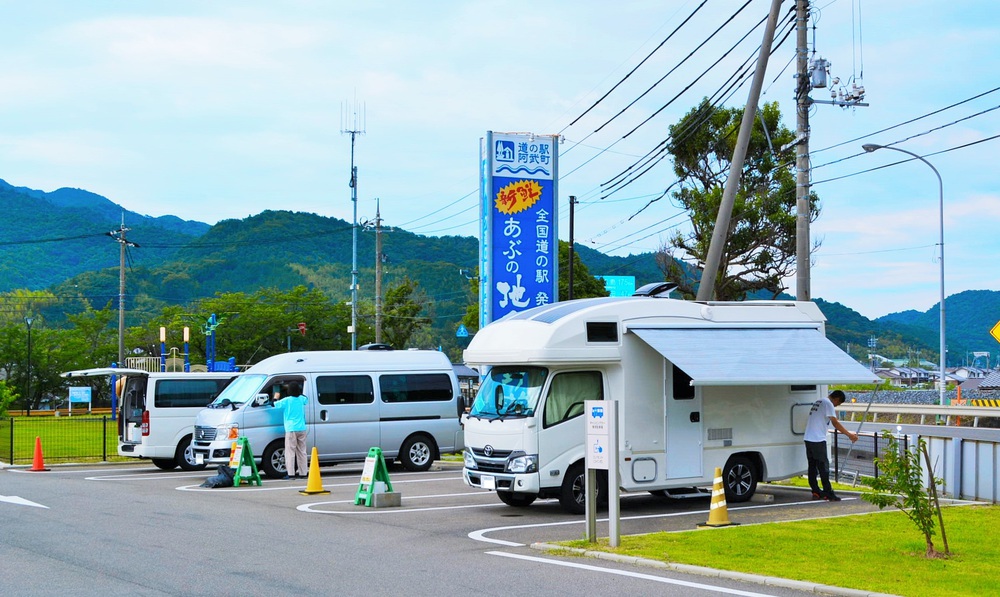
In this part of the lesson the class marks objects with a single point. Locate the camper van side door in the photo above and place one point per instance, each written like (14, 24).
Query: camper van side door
(347, 416)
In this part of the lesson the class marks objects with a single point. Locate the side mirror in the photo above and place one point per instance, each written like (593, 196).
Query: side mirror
(262, 399)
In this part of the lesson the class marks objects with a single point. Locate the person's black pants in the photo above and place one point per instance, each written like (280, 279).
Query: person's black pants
(819, 463)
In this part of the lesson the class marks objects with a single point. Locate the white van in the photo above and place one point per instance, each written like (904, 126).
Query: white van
(406, 402)
(156, 412)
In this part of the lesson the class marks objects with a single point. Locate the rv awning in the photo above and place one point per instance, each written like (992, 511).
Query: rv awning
(755, 356)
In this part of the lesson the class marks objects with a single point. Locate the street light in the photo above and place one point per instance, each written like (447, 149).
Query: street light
(870, 147)
(27, 392)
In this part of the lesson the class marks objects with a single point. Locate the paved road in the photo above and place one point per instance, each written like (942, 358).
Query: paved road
(135, 530)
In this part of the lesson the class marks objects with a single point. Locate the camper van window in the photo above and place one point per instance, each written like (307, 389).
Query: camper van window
(509, 392)
(416, 387)
(568, 391)
(181, 393)
(683, 390)
(345, 389)
(242, 389)
(602, 331)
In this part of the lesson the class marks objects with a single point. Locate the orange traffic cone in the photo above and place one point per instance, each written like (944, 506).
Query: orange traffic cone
(314, 484)
(718, 514)
(39, 461)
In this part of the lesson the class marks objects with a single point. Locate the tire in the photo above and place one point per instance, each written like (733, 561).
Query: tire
(273, 461)
(185, 456)
(417, 453)
(165, 464)
(739, 479)
(517, 500)
(573, 493)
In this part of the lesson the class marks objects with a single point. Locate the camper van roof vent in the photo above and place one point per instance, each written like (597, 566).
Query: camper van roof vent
(656, 290)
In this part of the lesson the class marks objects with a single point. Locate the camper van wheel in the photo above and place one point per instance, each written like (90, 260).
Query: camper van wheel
(518, 500)
(165, 464)
(573, 494)
(273, 461)
(185, 456)
(417, 453)
(740, 479)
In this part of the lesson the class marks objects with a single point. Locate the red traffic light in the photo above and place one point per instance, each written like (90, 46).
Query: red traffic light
(302, 328)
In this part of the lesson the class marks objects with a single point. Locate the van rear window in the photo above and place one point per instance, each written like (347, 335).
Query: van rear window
(186, 393)
(345, 389)
(416, 387)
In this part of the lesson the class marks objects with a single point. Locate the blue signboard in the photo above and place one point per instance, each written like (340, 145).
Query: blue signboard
(519, 240)
(79, 394)
(618, 285)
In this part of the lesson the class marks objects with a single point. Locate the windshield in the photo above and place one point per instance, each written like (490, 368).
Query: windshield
(509, 392)
(243, 389)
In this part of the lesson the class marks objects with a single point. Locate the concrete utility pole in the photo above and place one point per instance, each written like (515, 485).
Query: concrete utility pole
(802, 104)
(572, 204)
(706, 290)
(378, 274)
(119, 236)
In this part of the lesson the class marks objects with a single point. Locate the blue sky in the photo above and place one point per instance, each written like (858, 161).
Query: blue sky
(216, 110)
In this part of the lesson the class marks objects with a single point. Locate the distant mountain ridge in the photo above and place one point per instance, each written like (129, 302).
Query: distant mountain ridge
(179, 260)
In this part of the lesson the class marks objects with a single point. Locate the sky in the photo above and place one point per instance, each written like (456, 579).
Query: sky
(218, 110)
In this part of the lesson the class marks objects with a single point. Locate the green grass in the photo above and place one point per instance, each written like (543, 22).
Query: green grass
(64, 439)
(882, 552)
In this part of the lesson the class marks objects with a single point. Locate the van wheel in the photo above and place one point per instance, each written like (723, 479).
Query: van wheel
(740, 479)
(417, 453)
(518, 500)
(573, 493)
(273, 462)
(185, 456)
(165, 464)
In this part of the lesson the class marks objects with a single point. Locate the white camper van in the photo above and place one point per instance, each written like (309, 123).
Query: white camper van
(406, 402)
(156, 412)
(699, 385)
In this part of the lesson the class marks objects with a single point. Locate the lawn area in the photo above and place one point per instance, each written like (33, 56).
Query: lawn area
(80, 438)
(881, 552)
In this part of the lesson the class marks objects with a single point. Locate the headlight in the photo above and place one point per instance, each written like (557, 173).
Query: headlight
(470, 460)
(228, 432)
(523, 463)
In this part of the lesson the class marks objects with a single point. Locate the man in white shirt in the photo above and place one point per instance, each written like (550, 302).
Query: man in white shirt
(820, 416)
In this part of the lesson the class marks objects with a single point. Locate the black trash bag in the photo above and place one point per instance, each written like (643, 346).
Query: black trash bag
(223, 479)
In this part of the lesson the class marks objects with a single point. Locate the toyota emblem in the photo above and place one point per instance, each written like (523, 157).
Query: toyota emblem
(488, 450)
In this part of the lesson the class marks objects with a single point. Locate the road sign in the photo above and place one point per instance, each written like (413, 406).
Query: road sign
(462, 332)
(995, 332)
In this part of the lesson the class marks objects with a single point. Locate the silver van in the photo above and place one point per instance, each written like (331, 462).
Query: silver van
(406, 402)
(156, 412)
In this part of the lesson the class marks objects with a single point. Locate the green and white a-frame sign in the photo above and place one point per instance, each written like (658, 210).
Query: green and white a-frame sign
(374, 472)
(241, 460)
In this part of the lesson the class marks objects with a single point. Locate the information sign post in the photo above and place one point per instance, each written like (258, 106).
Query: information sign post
(602, 454)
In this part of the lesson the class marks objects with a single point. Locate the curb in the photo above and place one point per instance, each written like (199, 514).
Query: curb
(771, 581)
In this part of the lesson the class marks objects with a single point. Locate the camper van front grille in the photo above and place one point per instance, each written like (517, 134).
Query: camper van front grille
(204, 434)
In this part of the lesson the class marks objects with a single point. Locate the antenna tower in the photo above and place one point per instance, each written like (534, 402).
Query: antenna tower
(352, 122)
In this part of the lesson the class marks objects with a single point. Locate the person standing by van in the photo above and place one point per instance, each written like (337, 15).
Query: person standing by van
(293, 407)
(821, 414)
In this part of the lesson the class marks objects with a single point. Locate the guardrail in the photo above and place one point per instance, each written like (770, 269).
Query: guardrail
(922, 414)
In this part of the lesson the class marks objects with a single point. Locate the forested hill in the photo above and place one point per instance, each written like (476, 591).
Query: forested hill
(46, 238)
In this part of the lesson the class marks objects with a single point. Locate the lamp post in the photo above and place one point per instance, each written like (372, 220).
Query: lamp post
(870, 147)
(27, 391)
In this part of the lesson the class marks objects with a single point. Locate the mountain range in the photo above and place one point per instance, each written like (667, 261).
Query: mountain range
(65, 241)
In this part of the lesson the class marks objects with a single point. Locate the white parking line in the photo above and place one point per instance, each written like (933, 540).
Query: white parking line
(660, 579)
(311, 508)
(298, 487)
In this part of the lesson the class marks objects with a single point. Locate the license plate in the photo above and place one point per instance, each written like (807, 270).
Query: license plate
(199, 459)
(489, 482)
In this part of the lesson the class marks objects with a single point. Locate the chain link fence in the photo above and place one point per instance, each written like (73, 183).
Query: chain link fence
(63, 439)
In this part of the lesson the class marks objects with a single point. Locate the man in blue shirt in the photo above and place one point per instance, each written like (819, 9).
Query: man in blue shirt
(293, 407)
(822, 414)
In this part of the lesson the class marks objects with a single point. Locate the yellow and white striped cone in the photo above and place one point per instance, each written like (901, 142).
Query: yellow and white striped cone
(718, 515)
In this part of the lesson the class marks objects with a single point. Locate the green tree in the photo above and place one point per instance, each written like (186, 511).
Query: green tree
(7, 397)
(585, 285)
(760, 248)
(401, 314)
(900, 484)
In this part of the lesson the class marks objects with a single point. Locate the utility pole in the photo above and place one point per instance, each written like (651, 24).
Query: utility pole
(802, 104)
(354, 131)
(119, 236)
(378, 274)
(706, 290)
(572, 204)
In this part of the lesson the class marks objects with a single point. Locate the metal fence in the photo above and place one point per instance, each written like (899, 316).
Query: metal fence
(62, 439)
(853, 462)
